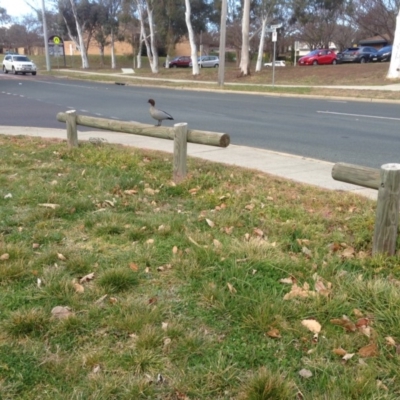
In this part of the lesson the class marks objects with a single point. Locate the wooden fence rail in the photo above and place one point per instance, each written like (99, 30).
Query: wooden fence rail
(179, 133)
(387, 182)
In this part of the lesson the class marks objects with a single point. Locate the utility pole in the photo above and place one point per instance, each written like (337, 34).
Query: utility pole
(222, 40)
(46, 39)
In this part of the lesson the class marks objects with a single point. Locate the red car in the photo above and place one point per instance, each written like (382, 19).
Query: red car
(317, 57)
(182, 62)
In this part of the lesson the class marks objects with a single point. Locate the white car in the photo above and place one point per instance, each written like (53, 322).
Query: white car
(207, 61)
(278, 63)
(16, 64)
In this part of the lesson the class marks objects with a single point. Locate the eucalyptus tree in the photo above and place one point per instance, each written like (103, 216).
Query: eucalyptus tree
(394, 67)
(193, 47)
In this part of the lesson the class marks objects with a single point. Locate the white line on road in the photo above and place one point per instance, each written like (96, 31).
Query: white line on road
(358, 115)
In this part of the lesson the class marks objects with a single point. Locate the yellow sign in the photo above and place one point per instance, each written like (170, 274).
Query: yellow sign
(56, 40)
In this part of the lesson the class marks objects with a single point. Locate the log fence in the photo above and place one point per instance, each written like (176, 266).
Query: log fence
(180, 134)
(387, 182)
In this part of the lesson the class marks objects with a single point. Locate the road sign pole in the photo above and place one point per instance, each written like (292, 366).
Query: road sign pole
(274, 36)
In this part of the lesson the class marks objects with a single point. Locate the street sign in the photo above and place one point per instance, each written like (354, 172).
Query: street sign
(274, 36)
(275, 26)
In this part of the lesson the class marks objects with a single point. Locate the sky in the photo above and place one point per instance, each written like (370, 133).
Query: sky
(18, 8)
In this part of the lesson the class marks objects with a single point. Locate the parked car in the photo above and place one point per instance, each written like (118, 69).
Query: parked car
(181, 62)
(278, 63)
(361, 54)
(207, 62)
(317, 57)
(384, 54)
(18, 64)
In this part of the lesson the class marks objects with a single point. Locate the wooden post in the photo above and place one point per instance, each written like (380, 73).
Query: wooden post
(180, 151)
(72, 132)
(357, 175)
(387, 213)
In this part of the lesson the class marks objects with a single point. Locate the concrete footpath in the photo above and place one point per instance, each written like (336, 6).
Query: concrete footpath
(296, 168)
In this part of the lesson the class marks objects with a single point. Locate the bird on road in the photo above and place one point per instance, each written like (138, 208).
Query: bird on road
(157, 114)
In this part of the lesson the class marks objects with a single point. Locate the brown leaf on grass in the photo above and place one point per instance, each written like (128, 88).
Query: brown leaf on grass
(321, 288)
(150, 241)
(311, 324)
(305, 373)
(362, 322)
(210, 223)
(194, 191)
(290, 280)
(228, 230)
(274, 333)
(78, 287)
(4, 257)
(175, 250)
(35, 245)
(231, 288)
(345, 322)
(217, 243)
(357, 313)
(249, 207)
(133, 266)
(61, 312)
(49, 205)
(340, 352)
(87, 278)
(258, 232)
(390, 341)
(348, 252)
(306, 251)
(298, 291)
(371, 350)
(113, 300)
(61, 257)
(130, 191)
(153, 300)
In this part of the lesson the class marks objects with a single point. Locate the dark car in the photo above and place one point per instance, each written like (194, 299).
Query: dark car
(318, 57)
(181, 62)
(361, 54)
(384, 54)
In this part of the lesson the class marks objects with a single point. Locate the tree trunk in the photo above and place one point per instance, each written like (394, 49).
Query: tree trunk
(82, 48)
(193, 49)
(244, 58)
(261, 46)
(154, 51)
(113, 62)
(394, 67)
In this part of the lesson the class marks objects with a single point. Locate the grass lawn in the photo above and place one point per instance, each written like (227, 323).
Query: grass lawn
(234, 284)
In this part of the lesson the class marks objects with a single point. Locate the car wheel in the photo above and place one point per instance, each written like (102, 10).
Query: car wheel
(216, 66)
(5, 69)
(315, 62)
(362, 60)
(33, 73)
(334, 62)
(14, 71)
(174, 66)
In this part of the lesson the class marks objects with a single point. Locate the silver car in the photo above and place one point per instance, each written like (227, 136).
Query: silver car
(207, 62)
(18, 64)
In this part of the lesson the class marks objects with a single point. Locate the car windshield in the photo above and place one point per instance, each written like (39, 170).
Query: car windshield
(385, 49)
(313, 53)
(21, 58)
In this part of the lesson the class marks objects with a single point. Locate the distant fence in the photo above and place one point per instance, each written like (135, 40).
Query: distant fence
(180, 134)
(387, 182)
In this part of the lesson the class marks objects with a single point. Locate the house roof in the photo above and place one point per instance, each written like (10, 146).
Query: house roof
(378, 39)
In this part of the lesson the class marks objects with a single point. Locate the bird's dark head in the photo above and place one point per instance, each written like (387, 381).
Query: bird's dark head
(152, 102)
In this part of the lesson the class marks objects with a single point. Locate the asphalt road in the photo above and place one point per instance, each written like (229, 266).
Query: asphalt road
(356, 132)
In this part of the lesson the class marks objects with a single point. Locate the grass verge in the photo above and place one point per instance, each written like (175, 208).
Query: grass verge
(118, 284)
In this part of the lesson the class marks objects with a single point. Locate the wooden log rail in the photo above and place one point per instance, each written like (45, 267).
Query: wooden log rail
(193, 136)
(179, 133)
(387, 182)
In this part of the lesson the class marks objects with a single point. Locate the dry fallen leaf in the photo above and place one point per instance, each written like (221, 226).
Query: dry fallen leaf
(61, 257)
(345, 322)
(274, 333)
(231, 288)
(217, 243)
(390, 341)
(210, 223)
(288, 281)
(133, 266)
(61, 312)
(371, 350)
(311, 324)
(298, 291)
(305, 373)
(130, 191)
(340, 352)
(175, 250)
(258, 232)
(78, 288)
(49, 205)
(4, 257)
(347, 356)
(87, 278)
